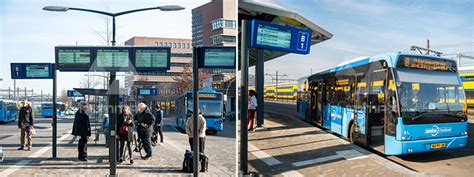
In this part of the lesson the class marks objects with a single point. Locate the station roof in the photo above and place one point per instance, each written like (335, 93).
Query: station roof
(272, 12)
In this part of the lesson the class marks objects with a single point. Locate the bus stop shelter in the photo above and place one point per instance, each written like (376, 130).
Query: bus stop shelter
(274, 13)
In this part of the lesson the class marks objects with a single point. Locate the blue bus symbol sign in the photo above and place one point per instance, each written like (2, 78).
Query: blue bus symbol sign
(17, 71)
(31, 70)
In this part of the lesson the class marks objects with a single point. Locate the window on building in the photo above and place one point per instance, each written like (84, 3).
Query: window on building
(179, 45)
(188, 46)
(166, 44)
(161, 43)
(174, 45)
(223, 23)
(219, 39)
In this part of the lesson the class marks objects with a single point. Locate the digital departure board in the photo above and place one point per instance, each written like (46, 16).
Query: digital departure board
(217, 57)
(426, 63)
(147, 91)
(32, 70)
(277, 37)
(37, 70)
(73, 58)
(272, 36)
(112, 58)
(152, 58)
(116, 58)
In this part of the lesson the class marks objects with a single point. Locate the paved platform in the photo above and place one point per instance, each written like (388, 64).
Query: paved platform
(290, 147)
(166, 161)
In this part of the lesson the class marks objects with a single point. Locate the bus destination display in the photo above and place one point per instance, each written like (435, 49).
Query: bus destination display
(426, 63)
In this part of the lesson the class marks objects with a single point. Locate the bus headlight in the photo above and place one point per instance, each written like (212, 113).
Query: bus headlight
(218, 122)
(406, 137)
(410, 150)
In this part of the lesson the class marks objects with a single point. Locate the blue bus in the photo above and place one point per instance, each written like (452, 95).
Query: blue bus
(211, 104)
(396, 103)
(47, 109)
(7, 110)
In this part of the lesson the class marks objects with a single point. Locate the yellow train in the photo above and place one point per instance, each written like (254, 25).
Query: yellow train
(468, 84)
(284, 91)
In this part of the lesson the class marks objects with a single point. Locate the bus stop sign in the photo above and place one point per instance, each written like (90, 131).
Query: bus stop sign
(271, 36)
(32, 70)
(73, 93)
(147, 91)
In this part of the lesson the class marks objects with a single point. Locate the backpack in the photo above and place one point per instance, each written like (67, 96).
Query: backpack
(188, 162)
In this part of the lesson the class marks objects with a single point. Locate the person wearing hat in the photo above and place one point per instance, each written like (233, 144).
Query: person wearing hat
(25, 123)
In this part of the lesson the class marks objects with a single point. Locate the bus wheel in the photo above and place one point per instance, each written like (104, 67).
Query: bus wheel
(211, 132)
(351, 132)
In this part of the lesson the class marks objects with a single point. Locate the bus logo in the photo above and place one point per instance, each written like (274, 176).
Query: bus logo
(435, 130)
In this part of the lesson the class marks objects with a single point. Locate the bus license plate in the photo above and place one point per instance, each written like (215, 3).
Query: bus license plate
(438, 145)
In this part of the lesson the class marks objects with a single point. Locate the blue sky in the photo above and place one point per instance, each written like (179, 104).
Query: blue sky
(29, 34)
(364, 28)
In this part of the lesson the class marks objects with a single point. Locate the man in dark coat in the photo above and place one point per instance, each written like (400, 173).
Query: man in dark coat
(158, 124)
(145, 120)
(82, 128)
(25, 123)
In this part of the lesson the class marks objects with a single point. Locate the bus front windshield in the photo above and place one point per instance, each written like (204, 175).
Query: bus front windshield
(432, 102)
(209, 108)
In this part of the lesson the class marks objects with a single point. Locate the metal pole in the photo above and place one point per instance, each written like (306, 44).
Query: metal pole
(14, 90)
(9, 95)
(113, 110)
(55, 121)
(41, 99)
(259, 73)
(195, 112)
(113, 113)
(244, 71)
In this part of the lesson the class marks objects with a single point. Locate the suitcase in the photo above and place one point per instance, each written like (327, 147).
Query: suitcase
(188, 162)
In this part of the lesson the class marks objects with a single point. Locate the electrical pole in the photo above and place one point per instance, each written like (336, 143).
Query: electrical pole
(428, 46)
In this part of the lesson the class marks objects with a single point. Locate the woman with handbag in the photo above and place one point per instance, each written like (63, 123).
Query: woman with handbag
(125, 124)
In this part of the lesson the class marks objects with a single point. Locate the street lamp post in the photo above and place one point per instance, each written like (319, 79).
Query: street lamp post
(113, 84)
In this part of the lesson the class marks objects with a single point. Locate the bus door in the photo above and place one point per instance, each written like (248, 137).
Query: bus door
(319, 102)
(358, 130)
(315, 114)
(391, 107)
(376, 113)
